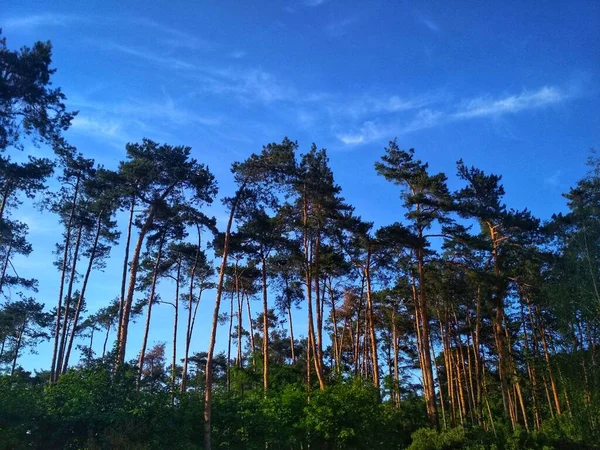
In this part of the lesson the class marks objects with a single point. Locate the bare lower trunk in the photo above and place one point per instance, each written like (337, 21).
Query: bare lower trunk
(373, 338)
(215, 323)
(126, 312)
(64, 332)
(265, 326)
(81, 300)
(125, 263)
(175, 323)
(67, 243)
(149, 312)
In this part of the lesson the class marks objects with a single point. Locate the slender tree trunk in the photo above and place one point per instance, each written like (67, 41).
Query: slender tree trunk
(229, 342)
(126, 313)
(5, 266)
(308, 281)
(357, 332)
(396, 378)
(175, 323)
(430, 397)
(215, 323)
(125, 263)
(106, 339)
(142, 355)
(549, 367)
(188, 332)
(251, 326)
(64, 332)
(371, 316)
(289, 310)
(336, 352)
(81, 299)
(18, 347)
(54, 367)
(265, 324)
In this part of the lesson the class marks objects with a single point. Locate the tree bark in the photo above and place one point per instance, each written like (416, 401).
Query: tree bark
(125, 263)
(215, 323)
(149, 311)
(80, 302)
(54, 367)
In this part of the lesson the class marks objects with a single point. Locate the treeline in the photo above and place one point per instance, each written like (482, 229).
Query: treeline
(467, 316)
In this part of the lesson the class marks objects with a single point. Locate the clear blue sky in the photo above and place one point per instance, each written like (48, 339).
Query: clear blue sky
(512, 87)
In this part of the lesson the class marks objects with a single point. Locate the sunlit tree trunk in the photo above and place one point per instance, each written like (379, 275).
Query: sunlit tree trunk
(125, 263)
(83, 290)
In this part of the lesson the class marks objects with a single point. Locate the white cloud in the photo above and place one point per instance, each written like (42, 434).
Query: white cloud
(430, 24)
(554, 179)
(481, 107)
(28, 23)
(340, 27)
(313, 3)
(107, 128)
(237, 54)
(486, 107)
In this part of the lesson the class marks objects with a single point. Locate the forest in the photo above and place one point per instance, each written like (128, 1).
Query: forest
(464, 324)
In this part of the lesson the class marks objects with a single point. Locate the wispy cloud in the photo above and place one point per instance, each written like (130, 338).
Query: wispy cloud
(480, 107)
(149, 56)
(29, 23)
(175, 37)
(486, 107)
(111, 129)
(554, 179)
(430, 24)
(237, 54)
(124, 121)
(313, 3)
(340, 27)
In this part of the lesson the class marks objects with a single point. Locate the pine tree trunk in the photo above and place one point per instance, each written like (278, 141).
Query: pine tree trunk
(149, 311)
(5, 267)
(289, 310)
(430, 396)
(372, 335)
(215, 323)
(18, 347)
(54, 366)
(175, 323)
(64, 332)
(228, 385)
(396, 362)
(83, 291)
(125, 263)
(251, 326)
(188, 332)
(126, 312)
(265, 324)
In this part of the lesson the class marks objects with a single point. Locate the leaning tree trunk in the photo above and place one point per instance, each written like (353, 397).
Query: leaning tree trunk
(126, 312)
(80, 302)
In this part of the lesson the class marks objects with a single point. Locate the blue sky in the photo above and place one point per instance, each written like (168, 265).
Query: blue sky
(511, 87)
